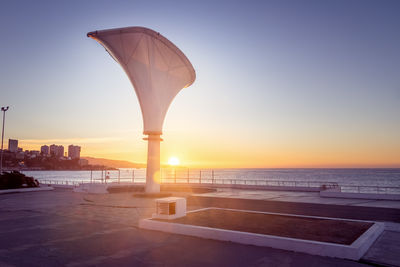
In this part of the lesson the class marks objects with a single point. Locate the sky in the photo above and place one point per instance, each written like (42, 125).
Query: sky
(280, 84)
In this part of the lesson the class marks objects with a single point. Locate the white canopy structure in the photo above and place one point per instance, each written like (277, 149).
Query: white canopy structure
(158, 70)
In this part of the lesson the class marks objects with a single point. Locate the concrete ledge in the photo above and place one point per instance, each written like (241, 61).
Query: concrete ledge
(101, 188)
(273, 187)
(354, 251)
(24, 190)
(338, 194)
(251, 187)
(394, 227)
(62, 186)
(92, 188)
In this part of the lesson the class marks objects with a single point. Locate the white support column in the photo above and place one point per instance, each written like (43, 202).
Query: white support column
(153, 174)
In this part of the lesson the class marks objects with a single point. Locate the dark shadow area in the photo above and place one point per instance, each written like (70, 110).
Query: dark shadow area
(15, 179)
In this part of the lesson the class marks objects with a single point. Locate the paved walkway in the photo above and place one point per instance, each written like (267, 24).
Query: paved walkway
(62, 228)
(300, 208)
(304, 197)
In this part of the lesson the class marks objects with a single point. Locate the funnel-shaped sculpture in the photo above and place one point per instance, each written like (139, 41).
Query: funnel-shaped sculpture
(158, 70)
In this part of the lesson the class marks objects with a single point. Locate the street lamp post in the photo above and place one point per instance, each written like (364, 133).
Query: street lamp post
(4, 109)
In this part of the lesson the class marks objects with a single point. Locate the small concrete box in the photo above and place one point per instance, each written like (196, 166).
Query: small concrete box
(170, 208)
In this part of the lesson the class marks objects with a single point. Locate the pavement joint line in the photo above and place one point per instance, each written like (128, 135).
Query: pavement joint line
(28, 210)
(88, 200)
(272, 198)
(75, 238)
(362, 202)
(19, 217)
(111, 206)
(391, 231)
(50, 226)
(99, 259)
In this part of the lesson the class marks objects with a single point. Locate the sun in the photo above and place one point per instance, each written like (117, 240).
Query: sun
(173, 161)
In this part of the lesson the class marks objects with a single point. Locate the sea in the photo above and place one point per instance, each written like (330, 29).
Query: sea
(382, 177)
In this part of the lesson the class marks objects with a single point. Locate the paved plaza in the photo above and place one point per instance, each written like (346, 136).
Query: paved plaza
(63, 228)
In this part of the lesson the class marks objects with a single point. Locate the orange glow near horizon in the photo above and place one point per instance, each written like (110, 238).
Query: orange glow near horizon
(209, 153)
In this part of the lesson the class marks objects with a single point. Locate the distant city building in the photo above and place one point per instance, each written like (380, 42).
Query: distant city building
(74, 152)
(32, 152)
(83, 162)
(12, 145)
(57, 151)
(20, 155)
(60, 151)
(53, 149)
(35, 152)
(45, 150)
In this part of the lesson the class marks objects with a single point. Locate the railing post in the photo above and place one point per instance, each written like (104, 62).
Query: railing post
(175, 175)
(200, 177)
(133, 176)
(119, 176)
(188, 176)
(212, 175)
(91, 176)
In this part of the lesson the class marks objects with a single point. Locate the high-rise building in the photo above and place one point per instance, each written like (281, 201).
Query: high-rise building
(74, 152)
(53, 149)
(60, 151)
(57, 151)
(12, 145)
(44, 150)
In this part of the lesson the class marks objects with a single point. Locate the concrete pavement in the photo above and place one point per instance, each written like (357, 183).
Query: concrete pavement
(62, 228)
(299, 197)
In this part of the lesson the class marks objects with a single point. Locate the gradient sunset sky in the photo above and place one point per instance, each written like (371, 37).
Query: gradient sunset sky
(279, 83)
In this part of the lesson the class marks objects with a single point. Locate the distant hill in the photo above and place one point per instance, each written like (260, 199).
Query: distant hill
(114, 163)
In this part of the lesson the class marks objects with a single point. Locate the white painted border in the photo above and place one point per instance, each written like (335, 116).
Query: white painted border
(285, 214)
(354, 251)
(335, 194)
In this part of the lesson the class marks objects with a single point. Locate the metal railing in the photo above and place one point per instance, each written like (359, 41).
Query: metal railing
(60, 182)
(365, 189)
(214, 178)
